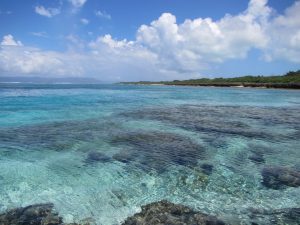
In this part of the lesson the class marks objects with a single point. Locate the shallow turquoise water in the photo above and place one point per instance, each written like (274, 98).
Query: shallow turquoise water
(102, 151)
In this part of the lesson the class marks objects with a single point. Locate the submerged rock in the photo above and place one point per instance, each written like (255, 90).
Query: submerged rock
(124, 157)
(280, 177)
(195, 180)
(290, 216)
(225, 121)
(207, 120)
(39, 214)
(157, 150)
(258, 153)
(97, 157)
(57, 136)
(164, 212)
(257, 158)
(207, 168)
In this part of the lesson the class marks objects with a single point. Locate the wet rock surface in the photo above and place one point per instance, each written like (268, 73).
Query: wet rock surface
(280, 177)
(156, 150)
(39, 214)
(164, 212)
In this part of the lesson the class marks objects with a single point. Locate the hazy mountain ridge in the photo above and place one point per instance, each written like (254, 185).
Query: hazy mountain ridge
(43, 80)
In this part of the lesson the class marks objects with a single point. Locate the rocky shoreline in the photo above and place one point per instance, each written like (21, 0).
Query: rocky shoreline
(157, 213)
(164, 212)
(38, 214)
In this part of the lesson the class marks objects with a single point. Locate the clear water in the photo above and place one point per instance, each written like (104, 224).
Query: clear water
(99, 152)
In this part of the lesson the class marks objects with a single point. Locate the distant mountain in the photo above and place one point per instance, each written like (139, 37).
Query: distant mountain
(42, 80)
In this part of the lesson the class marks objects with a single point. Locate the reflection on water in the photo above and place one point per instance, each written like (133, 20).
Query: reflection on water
(101, 153)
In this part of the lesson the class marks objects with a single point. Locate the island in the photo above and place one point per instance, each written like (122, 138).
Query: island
(289, 80)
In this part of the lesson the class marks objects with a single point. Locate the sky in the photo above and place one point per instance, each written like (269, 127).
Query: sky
(134, 40)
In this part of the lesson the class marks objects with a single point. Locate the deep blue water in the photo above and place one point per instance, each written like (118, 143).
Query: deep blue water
(102, 151)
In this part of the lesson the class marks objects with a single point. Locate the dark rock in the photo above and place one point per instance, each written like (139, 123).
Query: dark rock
(157, 150)
(39, 214)
(167, 213)
(291, 216)
(257, 158)
(258, 152)
(207, 168)
(97, 157)
(124, 156)
(280, 177)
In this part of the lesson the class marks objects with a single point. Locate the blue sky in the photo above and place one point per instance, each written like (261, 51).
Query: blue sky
(148, 40)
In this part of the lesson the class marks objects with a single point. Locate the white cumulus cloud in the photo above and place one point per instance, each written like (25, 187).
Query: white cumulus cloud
(195, 43)
(8, 40)
(284, 32)
(77, 3)
(48, 12)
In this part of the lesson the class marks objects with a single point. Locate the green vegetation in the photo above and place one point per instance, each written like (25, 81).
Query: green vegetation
(289, 80)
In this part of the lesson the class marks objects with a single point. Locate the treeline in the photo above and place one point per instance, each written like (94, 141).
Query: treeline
(290, 77)
(288, 80)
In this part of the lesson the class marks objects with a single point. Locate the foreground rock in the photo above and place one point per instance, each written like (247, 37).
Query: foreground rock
(39, 214)
(280, 177)
(164, 212)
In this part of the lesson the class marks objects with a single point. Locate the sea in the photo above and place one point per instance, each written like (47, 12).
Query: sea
(99, 152)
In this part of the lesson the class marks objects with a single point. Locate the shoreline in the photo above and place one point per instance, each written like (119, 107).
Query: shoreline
(291, 86)
(248, 85)
(290, 80)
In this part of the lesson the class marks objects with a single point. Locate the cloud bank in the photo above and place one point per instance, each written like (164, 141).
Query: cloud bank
(165, 49)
